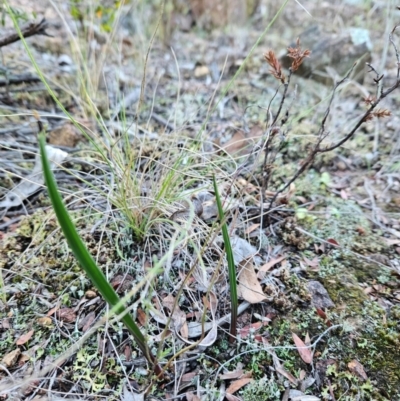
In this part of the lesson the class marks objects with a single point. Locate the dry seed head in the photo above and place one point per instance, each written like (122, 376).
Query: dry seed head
(276, 68)
(368, 100)
(380, 113)
(297, 55)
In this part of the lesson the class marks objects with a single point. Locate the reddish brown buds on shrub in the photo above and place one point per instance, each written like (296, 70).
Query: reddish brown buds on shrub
(276, 68)
(379, 113)
(297, 55)
(368, 100)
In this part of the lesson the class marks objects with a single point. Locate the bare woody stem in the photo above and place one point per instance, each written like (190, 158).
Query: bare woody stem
(322, 133)
(27, 30)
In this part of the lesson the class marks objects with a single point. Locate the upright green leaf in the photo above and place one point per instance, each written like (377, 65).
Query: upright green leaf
(231, 264)
(87, 262)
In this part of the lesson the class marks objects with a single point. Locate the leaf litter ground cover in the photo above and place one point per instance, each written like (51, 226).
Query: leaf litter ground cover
(318, 281)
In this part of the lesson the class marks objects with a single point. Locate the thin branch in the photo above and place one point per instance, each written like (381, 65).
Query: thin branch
(286, 84)
(363, 117)
(18, 79)
(395, 50)
(27, 30)
(316, 149)
(328, 110)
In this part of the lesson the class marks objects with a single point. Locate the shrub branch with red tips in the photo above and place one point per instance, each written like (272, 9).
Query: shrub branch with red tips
(272, 148)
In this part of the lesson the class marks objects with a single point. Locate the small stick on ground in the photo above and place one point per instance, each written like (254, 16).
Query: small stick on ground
(18, 79)
(29, 29)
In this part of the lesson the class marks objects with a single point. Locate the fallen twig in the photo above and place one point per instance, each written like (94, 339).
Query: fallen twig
(18, 79)
(27, 30)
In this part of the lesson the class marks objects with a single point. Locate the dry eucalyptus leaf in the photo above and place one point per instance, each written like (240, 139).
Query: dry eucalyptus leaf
(249, 287)
(11, 358)
(238, 384)
(267, 266)
(87, 321)
(287, 374)
(231, 397)
(67, 315)
(210, 338)
(305, 353)
(356, 367)
(25, 338)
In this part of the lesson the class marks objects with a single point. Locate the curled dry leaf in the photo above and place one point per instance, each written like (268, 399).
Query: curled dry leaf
(212, 335)
(251, 228)
(141, 316)
(267, 266)
(89, 294)
(188, 377)
(122, 283)
(332, 242)
(25, 338)
(286, 374)
(304, 352)
(67, 315)
(53, 310)
(128, 353)
(245, 331)
(356, 367)
(87, 322)
(249, 287)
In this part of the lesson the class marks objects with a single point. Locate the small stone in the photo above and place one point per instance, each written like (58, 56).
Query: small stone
(319, 295)
(201, 71)
(89, 294)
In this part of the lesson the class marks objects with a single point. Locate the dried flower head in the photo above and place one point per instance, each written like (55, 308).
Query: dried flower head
(380, 113)
(276, 68)
(297, 55)
(368, 100)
